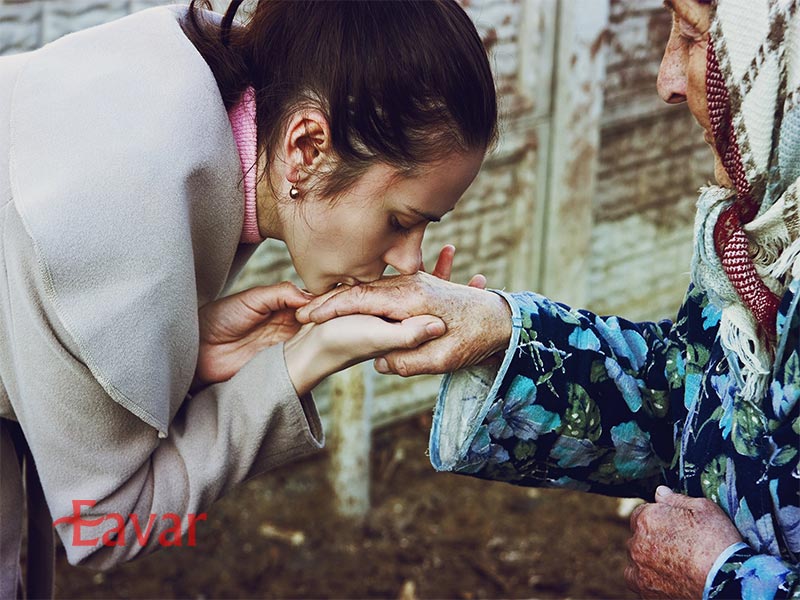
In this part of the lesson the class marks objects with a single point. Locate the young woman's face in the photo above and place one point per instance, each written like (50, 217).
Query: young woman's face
(379, 221)
(682, 76)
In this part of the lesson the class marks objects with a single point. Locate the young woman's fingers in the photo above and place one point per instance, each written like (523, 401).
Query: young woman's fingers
(361, 299)
(444, 264)
(271, 298)
(409, 333)
(478, 281)
(304, 313)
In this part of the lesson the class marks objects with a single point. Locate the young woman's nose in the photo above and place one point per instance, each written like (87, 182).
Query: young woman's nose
(406, 255)
(672, 73)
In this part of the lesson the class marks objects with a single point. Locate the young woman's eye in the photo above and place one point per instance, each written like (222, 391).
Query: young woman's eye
(398, 226)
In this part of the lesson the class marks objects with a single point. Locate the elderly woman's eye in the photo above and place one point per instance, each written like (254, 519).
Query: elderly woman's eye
(688, 31)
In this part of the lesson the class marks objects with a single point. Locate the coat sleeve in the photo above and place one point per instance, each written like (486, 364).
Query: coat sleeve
(580, 401)
(90, 448)
(94, 455)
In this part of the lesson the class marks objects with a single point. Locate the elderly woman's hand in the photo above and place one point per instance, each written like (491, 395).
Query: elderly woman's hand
(478, 322)
(674, 545)
(236, 328)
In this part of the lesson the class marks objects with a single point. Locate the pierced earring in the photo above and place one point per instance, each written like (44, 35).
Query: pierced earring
(294, 193)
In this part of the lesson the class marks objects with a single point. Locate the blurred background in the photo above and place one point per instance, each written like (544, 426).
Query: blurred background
(588, 198)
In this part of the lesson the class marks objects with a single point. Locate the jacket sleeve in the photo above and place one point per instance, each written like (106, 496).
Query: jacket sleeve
(580, 401)
(93, 455)
(90, 449)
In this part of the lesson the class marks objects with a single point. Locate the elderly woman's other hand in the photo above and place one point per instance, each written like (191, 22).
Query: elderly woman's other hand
(478, 321)
(674, 545)
(235, 328)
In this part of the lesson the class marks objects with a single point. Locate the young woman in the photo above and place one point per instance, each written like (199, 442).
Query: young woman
(146, 160)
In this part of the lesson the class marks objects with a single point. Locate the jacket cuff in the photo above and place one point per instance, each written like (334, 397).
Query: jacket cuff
(465, 397)
(718, 564)
(295, 428)
(740, 572)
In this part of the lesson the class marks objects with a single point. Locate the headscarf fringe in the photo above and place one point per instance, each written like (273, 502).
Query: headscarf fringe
(787, 262)
(739, 335)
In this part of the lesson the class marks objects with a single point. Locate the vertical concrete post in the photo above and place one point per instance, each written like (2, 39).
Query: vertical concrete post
(574, 143)
(351, 440)
(537, 41)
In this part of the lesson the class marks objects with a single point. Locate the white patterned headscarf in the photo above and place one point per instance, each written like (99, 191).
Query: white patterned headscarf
(747, 240)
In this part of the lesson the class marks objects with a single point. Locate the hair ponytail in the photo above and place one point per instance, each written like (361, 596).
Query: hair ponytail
(213, 42)
(227, 22)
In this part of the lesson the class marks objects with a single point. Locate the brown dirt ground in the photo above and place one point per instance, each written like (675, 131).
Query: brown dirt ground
(428, 535)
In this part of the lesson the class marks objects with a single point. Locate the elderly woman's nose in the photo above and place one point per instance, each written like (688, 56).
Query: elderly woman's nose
(672, 75)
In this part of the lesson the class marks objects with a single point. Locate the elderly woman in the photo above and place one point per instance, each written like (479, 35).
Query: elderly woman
(706, 405)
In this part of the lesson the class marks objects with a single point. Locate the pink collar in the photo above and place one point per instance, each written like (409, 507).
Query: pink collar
(243, 122)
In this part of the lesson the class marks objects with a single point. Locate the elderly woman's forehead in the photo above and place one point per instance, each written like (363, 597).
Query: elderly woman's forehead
(685, 4)
(696, 12)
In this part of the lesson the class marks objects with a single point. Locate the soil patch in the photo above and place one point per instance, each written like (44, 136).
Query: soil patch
(428, 535)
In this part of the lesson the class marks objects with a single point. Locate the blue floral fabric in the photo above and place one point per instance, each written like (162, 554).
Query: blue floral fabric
(610, 406)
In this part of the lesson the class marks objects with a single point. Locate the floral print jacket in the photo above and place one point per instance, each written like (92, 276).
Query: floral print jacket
(614, 407)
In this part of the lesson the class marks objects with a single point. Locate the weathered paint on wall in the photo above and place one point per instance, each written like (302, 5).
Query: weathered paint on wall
(578, 76)
(652, 161)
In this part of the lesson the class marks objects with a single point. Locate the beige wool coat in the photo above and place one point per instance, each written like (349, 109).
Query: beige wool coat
(121, 210)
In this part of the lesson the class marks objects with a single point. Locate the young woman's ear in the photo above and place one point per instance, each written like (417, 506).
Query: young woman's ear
(307, 141)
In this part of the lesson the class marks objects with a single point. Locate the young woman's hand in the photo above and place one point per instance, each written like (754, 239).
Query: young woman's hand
(236, 328)
(319, 350)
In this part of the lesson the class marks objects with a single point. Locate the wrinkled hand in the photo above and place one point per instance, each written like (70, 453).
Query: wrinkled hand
(236, 328)
(674, 545)
(478, 322)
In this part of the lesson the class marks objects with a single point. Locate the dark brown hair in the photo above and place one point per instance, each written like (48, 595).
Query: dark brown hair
(405, 82)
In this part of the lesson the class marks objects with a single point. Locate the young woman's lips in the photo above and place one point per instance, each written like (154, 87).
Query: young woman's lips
(351, 281)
